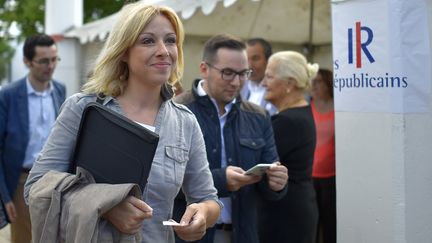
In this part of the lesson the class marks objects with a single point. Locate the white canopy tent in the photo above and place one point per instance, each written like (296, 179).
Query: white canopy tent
(284, 21)
(302, 25)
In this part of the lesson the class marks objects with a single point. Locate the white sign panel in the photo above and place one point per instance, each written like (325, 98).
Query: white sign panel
(382, 56)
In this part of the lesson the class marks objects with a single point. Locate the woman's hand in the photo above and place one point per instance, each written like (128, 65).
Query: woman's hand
(277, 176)
(129, 215)
(196, 219)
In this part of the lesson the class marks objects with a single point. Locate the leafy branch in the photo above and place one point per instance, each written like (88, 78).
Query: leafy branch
(26, 18)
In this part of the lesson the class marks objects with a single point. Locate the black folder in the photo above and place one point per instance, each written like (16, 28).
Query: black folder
(113, 148)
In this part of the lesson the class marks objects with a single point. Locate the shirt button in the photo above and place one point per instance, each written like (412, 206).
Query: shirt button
(214, 150)
(253, 143)
(229, 160)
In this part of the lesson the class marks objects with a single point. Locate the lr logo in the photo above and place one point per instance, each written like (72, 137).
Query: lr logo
(358, 45)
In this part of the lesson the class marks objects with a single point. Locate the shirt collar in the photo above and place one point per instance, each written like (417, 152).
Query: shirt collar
(31, 90)
(252, 85)
(200, 89)
(202, 92)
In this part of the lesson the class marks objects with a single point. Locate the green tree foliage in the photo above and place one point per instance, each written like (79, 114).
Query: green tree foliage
(94, 10)
(25, 15)
(28, 17)
(6, 54)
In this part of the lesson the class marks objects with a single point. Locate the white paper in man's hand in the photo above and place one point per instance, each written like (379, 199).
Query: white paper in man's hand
(171, 222)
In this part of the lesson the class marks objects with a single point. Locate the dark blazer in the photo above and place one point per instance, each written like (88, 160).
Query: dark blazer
(294, 218)
(14, 131)
(248, 137)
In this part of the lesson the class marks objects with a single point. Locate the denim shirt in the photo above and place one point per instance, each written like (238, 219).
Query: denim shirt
(180, 161)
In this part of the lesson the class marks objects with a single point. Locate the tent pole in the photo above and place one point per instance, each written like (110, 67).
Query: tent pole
(309, 46)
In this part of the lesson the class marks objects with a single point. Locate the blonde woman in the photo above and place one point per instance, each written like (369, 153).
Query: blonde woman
(141, 60)
(293, 218)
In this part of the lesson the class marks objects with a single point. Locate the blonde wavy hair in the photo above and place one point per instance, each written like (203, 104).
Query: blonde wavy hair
(109, 76)
(291, 64)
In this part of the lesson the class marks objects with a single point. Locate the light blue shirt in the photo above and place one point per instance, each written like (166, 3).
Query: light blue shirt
(41, 118)
(255, 93)
(225, 216)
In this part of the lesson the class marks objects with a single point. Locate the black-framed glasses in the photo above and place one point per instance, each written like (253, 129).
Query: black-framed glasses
(228, 74)
(47, 61)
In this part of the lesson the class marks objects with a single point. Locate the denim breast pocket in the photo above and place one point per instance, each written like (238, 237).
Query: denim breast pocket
(251, 149)
(175, 162)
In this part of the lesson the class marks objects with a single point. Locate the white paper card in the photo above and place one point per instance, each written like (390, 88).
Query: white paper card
(171, 223)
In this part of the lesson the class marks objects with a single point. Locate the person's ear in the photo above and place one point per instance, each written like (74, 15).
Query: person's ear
(291, 84)
(203, 70)
(27, 62)
(125, 57)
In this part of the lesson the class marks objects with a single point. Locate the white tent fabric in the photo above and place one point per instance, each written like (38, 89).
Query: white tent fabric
(284, 21)
(97, 30)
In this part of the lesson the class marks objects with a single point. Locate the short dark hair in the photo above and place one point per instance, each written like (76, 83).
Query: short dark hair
(265, 45)
(327, 77)
(31, 42)
(216, 42)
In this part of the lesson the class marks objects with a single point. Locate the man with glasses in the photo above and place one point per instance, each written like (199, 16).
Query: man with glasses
(28, 108)
(238, 135)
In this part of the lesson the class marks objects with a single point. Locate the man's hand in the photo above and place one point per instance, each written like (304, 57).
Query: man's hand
(193, 223)
(236, 178)
(11, 211)
(129, 215)
(277, 176)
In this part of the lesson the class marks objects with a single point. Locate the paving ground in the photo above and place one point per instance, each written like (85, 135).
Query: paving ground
(5, 235)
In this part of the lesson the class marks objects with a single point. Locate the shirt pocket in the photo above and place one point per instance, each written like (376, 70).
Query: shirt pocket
(251, 151)
(175, 162)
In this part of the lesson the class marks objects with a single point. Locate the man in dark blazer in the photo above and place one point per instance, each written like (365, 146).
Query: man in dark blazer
(28, 108)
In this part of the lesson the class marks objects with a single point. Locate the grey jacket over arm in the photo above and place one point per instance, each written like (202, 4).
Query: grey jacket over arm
(61, 211)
